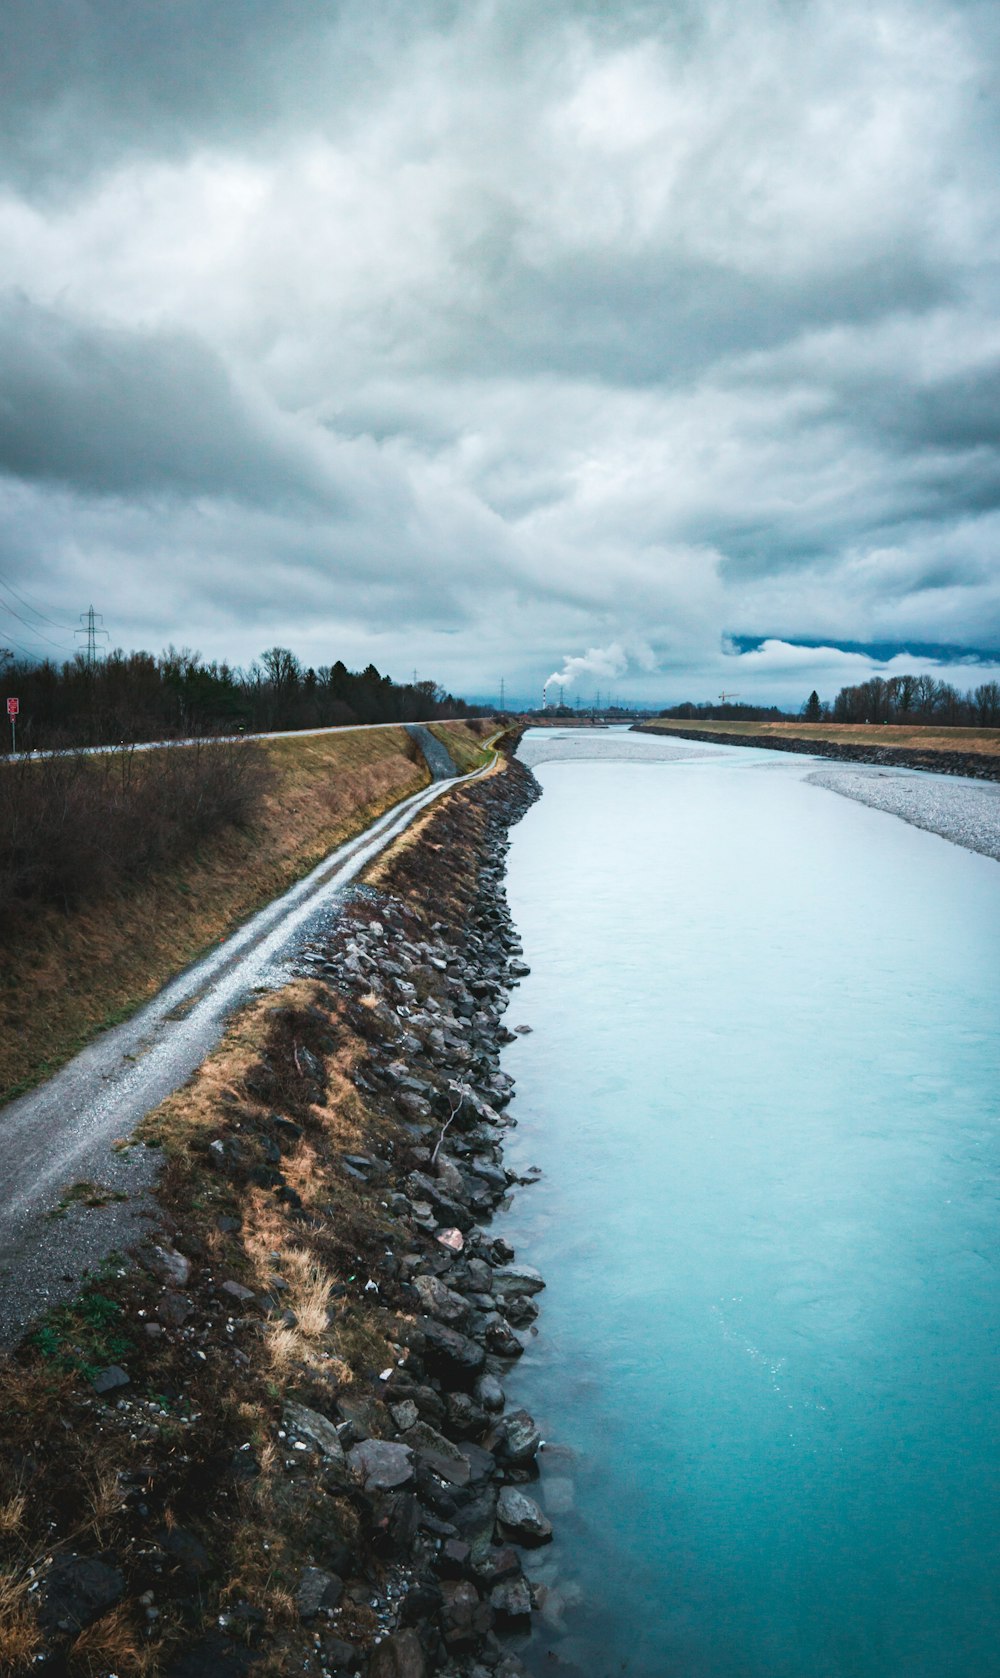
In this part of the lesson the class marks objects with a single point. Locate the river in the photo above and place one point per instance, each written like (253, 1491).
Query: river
(761, 1085)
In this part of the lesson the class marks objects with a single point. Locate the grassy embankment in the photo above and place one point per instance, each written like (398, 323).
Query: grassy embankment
(899, 736)
(67, 975)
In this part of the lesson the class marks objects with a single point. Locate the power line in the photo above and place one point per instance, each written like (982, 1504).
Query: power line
(59, 646)
(36, 609)
(17, 644)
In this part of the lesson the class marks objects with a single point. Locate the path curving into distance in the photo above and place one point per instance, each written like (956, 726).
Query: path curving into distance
(62, 1132)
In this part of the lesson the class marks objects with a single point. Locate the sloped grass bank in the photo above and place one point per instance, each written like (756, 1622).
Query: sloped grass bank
(954, 751)
(69, 971)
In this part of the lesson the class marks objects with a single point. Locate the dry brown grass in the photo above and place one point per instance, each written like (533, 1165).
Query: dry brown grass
(468, 742)
(309, 1291)
(12, 1512)
(20, 1638)
(110, 1645)
(915, 737)
(76, 973)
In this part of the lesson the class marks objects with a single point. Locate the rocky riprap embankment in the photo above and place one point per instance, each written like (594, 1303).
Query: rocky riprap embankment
(445, 1467)
(284, 1441)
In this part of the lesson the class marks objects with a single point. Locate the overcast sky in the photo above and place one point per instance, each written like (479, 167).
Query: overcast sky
(504, 339)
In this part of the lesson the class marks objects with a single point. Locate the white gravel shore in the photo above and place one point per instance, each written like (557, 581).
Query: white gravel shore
(965, 811)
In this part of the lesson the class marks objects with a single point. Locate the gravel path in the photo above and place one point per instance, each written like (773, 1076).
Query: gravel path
(62, 1132)
(964, 811)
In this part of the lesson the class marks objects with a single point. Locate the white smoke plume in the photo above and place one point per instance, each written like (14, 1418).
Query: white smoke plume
(606, 664)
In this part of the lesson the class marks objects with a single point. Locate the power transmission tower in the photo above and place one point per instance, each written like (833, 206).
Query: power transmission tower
(93, 629)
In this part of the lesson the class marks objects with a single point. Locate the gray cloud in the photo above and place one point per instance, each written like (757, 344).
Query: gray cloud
(493, 337)
(115, 411)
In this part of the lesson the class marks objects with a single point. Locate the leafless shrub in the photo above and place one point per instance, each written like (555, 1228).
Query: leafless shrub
(76, 829)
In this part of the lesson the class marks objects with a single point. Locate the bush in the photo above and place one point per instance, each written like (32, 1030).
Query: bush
(76, 829)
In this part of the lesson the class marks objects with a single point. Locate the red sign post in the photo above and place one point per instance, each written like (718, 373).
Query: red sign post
(13, 706)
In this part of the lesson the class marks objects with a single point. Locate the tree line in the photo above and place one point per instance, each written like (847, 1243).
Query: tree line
(898, 699)
(688, 711)
(914, 699)
(138, 696)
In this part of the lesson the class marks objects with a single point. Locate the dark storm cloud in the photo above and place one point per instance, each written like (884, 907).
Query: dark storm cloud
(122, 412)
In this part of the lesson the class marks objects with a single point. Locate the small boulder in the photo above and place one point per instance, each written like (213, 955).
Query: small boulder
(518, 1438)
(318, 1430)
(174, 1308)
(381, 1465)
(513, 1279)
(520, 1518)
(317, 1590)
(184, 1548)
(496, 1563)
(456, 1359)
(237, 1291)
(168, 1265)
(438, 1454)
(77, 1591)
(110, 1379)
(490, 1394)
(511, 1600)
(399, 1656)
(440, 1301)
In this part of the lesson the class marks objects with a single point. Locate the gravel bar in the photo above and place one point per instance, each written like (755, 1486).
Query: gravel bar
(966, 812)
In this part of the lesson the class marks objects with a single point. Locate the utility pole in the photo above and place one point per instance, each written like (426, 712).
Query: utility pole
(503, 702)
(92, 628)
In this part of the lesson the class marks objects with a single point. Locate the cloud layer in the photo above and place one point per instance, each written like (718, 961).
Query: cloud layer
(501, 341)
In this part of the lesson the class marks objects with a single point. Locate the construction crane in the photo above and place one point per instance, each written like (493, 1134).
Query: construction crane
(724, 696)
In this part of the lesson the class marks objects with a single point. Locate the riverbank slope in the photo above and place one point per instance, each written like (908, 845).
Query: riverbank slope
(72, 970)
(945, 751)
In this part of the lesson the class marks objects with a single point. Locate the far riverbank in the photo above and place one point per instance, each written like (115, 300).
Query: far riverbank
(980, 765)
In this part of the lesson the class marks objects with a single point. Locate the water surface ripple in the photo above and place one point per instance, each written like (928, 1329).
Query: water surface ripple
(761, 1084)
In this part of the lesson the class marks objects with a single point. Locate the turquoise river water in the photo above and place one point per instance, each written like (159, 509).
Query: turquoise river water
(762, 1087)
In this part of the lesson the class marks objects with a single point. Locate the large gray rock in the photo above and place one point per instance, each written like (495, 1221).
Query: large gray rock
(511, 1600)
(169, 1265)
(490, 1393)
(317, 1590)
(451, 1179)
(399, 1656)
(439, 1301)
(515, 1279)
(439, 1454)
(518, 1438)
(381, 1464)
(78, 1590)
(318, 1430)
(520, 1518)
(452, 1356)
(110, 1379)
